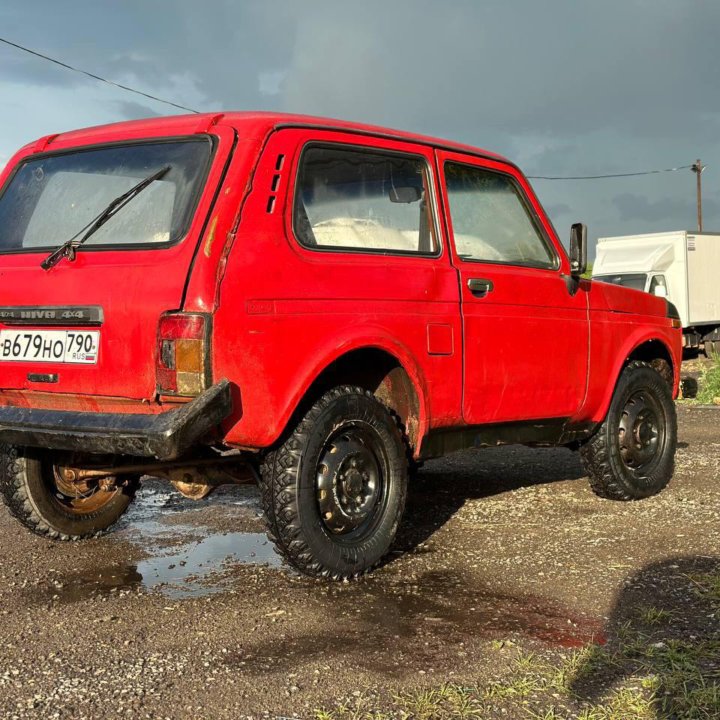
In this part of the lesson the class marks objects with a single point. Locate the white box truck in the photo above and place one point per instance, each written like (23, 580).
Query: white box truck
(683, 266)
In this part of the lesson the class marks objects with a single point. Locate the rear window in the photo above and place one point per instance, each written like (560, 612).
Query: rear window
(51, 198)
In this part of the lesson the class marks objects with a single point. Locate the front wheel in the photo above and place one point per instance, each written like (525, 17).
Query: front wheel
(632, 454)
(38, 495)
(334, 491)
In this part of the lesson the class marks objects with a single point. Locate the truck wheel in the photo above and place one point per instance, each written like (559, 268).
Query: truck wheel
(632, 455)
(712, 349)
(334, 491)
(35, 494)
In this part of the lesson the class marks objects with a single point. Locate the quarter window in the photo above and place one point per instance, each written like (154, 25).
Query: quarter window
(362, 200)
(491, 222)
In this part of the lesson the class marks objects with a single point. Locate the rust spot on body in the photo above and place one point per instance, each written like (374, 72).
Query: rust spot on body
(210, 238)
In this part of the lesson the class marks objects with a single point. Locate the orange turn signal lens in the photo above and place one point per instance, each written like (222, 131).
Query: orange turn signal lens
(189, 356)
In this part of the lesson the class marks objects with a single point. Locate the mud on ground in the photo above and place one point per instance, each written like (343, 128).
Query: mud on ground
(512, 592)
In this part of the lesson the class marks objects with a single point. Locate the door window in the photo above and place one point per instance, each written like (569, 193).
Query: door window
(491, 222)
(363, 200)
(658, 286)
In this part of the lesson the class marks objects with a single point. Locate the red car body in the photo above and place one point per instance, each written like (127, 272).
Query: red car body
(535, 359)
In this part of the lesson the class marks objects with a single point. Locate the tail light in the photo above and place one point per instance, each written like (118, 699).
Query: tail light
(183, 354)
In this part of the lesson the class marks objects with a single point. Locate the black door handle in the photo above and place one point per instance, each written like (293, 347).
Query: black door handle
(479, 287)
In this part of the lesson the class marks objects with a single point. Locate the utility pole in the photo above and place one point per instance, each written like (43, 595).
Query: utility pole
(698, 168)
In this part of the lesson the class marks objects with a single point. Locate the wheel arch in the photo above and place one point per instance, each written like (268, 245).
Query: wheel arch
(658, 355)
(384, 369)
(650, 349)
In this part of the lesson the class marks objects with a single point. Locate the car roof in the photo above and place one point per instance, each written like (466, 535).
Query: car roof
(252, 123)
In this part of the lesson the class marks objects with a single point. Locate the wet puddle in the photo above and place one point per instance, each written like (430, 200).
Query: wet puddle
(443, 603)
(190, 547)
(394, 627)
(183, 571)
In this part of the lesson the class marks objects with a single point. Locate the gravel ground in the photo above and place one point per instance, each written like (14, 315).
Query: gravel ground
(185, 612)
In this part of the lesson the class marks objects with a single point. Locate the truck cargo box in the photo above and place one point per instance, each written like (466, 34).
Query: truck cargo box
(683, 265)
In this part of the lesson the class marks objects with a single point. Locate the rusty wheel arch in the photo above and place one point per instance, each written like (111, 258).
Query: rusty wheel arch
(382, 374)
(656, 353)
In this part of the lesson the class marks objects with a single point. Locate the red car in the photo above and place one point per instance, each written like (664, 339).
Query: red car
(316, 304)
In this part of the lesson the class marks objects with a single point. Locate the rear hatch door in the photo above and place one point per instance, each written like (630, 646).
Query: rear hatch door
(89, 325)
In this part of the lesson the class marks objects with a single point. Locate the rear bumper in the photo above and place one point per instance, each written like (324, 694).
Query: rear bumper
(164, 436)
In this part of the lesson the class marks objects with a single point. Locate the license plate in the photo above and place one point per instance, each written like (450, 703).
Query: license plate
(53, 346)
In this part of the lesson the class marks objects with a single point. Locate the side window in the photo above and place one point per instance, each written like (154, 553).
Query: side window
(363, 200)
(491, 221)
(658, 286)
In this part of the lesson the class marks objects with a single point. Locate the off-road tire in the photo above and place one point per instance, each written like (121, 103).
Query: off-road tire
(610, 475)
(28, 495)
(290, 488)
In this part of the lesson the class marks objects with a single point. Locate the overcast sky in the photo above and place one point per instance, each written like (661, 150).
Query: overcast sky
(561, 87)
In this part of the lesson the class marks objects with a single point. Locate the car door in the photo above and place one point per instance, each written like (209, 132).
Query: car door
(525, 323)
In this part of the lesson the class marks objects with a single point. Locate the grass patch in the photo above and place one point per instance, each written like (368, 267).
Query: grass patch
(654, 616)
(709, 385)
(628, 704)
(707, 586)
(590, 661)
(449, 700)
(640, 679)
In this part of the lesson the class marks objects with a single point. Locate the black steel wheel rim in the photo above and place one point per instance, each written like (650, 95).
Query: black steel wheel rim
(642, 432)
(351, 481)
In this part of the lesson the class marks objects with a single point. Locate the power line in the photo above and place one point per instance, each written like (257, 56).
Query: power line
(96, 77)
(600, 177)
(183, 107)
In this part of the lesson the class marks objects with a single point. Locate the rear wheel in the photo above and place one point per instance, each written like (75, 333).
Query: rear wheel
(334, 491)
(632, 454)
(712, 349)
(38, 494)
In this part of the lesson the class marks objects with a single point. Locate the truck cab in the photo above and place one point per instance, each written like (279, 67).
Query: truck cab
(316, 305)
(679, 266)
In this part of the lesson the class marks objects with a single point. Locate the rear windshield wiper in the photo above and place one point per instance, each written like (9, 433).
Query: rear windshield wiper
(68, 248)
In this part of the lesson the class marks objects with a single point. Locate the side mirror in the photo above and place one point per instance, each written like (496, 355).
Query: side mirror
(578, 249)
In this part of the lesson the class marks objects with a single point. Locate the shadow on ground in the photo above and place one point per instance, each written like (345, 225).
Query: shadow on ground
(442, 487)
(665, 630)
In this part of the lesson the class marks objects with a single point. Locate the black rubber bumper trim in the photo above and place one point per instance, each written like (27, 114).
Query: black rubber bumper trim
(165, 436)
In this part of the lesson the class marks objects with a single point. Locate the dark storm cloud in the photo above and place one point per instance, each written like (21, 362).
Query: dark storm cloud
(135, 110)
(556, 68)
(563, 87)
(559, 209)
(637, 207)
